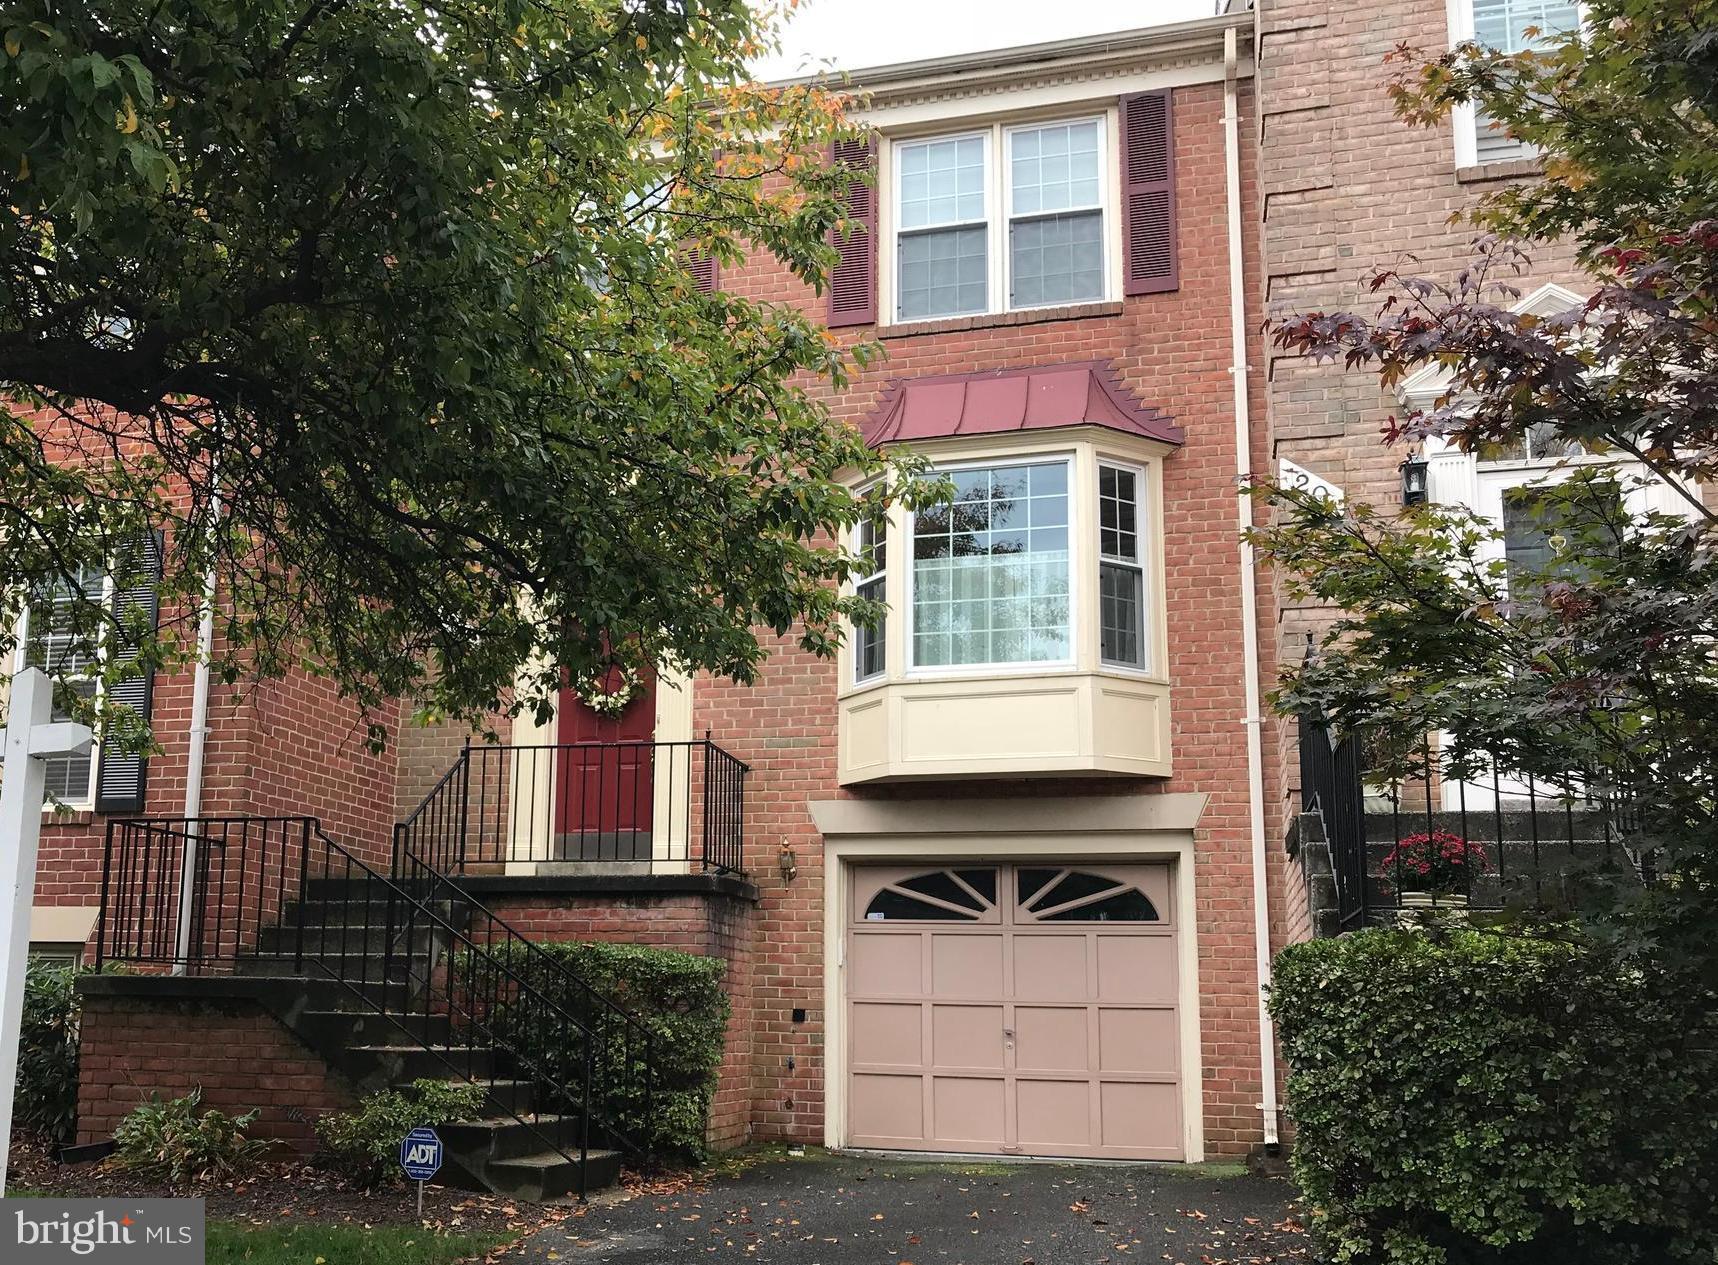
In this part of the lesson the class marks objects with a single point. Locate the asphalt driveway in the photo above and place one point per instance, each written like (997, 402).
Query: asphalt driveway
(846, 1210)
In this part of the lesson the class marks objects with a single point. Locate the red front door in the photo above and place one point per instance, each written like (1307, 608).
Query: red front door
(605, 783)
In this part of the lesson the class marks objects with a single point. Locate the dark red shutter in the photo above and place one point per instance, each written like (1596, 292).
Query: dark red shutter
(853, 284)
(1148, 193)
(702, 267)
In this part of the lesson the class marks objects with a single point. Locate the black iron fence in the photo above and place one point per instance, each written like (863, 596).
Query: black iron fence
(277, 896)
(627, 806)
(1482, 841)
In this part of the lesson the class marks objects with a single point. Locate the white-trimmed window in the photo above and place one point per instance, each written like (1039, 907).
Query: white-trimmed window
(1121, 566)
(871, 547)
(1510, 26)
(47, 640)
(1001, 219)
(991, 576)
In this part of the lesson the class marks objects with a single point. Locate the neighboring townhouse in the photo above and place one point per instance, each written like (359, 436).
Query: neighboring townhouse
(1347, 190)
(260, 748)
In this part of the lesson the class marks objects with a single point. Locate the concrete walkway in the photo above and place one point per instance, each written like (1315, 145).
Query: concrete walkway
(847, 1210)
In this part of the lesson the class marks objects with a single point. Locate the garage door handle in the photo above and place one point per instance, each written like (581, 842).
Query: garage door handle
(1009, 1033)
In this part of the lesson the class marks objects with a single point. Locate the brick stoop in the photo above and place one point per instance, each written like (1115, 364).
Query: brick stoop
(368, 1036)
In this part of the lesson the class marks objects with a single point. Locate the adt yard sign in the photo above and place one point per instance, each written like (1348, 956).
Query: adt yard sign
(420, 1154)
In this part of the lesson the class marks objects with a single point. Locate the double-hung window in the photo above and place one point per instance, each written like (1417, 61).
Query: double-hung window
(1055, 214)
(1000, 219)
(943, 211)
(1121, 567)
(992, 571)
(1509, 26)
(871, 547)
(49, 640)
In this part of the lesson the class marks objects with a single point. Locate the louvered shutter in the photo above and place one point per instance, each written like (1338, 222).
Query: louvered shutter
(853, 285)
(119, 778)
(1148, 194)
(703, 269)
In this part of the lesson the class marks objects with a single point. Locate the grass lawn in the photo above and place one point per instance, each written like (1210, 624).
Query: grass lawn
(232, 1242)
(289, 1243)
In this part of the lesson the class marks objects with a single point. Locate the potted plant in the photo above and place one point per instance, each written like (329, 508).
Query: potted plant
(1434, 867)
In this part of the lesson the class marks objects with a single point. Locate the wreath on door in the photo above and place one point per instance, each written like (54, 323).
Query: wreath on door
(610, 701)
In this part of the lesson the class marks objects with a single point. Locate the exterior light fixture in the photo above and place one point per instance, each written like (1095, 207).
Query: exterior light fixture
(1414, 479)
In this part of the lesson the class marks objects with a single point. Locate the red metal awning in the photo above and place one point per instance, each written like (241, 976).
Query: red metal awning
(1042, 397)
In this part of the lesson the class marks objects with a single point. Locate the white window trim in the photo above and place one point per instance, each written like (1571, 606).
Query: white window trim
(20, 660)
(998, 198)
(1142, 518)
(1018, 667)
(1463, 116)
(859, 581)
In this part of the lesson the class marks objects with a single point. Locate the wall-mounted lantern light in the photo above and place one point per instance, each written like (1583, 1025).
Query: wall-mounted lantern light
(1414, 479)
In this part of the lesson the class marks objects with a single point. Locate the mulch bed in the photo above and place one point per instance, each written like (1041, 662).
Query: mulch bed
(287, 1190)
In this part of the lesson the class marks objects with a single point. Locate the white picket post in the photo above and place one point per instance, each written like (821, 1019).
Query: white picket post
(31, 738)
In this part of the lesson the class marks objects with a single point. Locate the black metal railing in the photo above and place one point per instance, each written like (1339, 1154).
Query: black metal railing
(277, 895)
(629, 806)
(1478, 840)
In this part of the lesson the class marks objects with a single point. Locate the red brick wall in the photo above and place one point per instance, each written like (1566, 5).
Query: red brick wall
(1174, 352)
(714, 926)
(236, 1052)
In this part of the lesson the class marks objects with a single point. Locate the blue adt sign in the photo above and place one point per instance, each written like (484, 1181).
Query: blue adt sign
(420, 1154)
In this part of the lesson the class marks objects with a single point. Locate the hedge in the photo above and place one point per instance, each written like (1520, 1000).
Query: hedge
(46, 1100)
(678, 996)
(1472, 1097)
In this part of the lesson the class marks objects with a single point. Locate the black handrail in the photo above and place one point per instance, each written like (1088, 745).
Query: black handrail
(635, 806)
(248, 873)
(1489, 841)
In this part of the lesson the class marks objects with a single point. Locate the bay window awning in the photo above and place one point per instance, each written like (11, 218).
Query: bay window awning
(995, 401)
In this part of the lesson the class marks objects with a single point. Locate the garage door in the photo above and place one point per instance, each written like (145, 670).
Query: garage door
(1014, 1009)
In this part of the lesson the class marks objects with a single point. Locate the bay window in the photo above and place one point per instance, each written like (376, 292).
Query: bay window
(871, 546)
(991, 570)
(1121, 567)
(1009, 217)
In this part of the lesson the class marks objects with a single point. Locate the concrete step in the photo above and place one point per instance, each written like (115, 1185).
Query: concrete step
(503, 1096)
(396, 1062)
(332, 939)
(334, 1030)
(550, 1175)
(505, 1138)
(358, 969)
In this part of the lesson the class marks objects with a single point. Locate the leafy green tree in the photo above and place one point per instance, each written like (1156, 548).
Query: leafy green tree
(1592, 670)
(383, 311)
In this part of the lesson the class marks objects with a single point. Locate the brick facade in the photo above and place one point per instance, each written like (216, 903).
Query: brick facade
(234, 1050)
(720, 926)
(1173, 352)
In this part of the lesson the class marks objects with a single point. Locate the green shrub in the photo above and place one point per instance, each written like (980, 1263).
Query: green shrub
(1478, 1098)
(364, 1145)
(678, 995)
(46, 1101)
(166, 1138)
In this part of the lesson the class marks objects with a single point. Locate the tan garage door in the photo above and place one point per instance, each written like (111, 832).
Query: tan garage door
(1014, 1009)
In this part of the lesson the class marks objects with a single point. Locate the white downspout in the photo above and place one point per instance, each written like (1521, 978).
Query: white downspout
(199, 739)
(1249, 591)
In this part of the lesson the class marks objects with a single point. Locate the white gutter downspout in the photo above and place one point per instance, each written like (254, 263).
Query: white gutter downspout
(199, 740)
(1249, 592)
